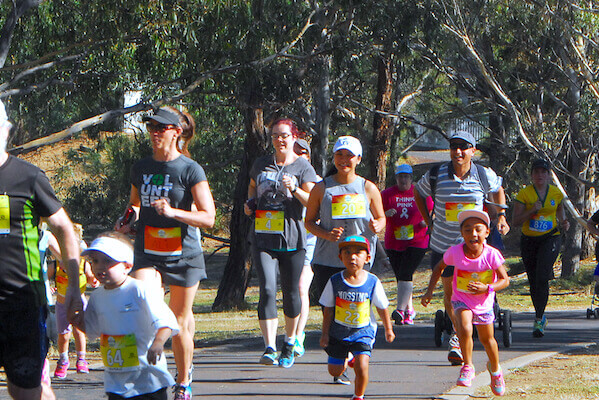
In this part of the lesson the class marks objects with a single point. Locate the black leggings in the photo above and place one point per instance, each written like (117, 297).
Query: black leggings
(404, 263)
(291, 264)
(538, 256)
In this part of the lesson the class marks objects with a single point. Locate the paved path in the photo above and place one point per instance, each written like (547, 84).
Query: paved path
(410, 368)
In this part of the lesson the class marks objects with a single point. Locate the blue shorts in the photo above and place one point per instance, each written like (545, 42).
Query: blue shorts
(338, 350)
(485, 318)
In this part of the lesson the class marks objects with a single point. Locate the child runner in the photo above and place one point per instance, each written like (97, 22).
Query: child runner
(63, 326)
(132, 322)
(346, 325)
(478, 273)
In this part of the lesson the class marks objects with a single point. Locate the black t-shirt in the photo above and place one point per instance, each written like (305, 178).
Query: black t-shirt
(25, 196)
(160, 238)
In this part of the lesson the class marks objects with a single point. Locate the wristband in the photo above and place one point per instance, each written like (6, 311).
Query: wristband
(501, 213)
(294, 189)
(490, 289)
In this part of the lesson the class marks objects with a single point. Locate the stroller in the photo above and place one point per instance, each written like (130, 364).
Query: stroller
(594, 310)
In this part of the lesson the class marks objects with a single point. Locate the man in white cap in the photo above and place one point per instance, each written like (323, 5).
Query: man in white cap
(457, 186)
(26, 197)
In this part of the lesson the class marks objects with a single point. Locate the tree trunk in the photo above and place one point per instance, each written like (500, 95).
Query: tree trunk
(322, 115)
(382, 124)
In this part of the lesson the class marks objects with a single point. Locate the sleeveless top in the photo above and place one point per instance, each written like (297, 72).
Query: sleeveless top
(344, 206)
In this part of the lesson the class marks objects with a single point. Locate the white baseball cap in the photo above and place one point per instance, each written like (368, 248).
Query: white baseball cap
(349, 143)
(112, 247)
(482, 215)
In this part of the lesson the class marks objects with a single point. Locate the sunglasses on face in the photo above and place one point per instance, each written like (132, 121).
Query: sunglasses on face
(461, 146)
(158, 127)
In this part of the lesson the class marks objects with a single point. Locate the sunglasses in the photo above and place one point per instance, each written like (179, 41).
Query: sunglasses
(461, 146)
(153, 127)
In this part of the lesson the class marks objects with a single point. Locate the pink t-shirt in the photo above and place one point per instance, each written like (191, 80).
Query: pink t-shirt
(404, 229)
(480, 269)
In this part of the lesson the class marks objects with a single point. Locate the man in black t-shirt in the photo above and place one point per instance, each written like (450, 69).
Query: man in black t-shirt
(26, 197)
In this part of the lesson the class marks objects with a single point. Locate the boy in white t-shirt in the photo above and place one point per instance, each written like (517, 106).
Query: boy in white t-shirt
(478, 273)
(132, 323)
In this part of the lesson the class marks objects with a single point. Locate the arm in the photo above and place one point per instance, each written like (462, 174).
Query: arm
(202, 217)
(498, 197)
(62, 228)
(426, 298)
(502, 282)
(91, 279)
(421, 204)
(378, 221)
(251, 195)
(521, 214)
(157, 346)
(135, 203)
(389, 334)
(327, 318)
(302, 193)
(313, 215)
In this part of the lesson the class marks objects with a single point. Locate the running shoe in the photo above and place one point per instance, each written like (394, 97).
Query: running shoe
(398, 317)
(299, 348)
(409, 317)
(287, 358)
(538, 329)
(466, 376)
(82, 366)
(269, 357)
(341, 379)
(497, 382)
(354, 397)
(61, 369)
(182, 392)
(352, 360)
(455, 353)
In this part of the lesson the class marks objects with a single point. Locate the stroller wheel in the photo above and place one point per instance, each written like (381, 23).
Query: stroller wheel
(589, 313)
(507, 328)
(439, 326)
(596, 313)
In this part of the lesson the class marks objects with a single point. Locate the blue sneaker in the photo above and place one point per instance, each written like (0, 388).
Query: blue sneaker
(182, 392)
(269, 357)
(539, 327)
(286, 359)
(299, 349)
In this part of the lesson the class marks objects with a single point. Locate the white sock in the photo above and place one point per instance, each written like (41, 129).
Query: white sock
(64, 357)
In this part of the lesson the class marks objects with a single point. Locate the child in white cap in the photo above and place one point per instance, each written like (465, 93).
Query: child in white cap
(478, 273)
(132, 324)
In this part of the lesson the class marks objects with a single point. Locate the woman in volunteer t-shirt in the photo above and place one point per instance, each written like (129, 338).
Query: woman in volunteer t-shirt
(539, 209)
(346, 204)
(406, 239)
(172, 200)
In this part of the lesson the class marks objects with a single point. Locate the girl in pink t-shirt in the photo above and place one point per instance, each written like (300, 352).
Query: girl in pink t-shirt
(479, 272)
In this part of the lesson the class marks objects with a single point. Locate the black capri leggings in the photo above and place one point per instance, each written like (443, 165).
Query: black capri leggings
(290, 265)
(538, 256)
(404, 263)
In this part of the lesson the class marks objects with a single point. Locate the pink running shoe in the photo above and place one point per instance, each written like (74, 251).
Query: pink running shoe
(409, 317)
(82, 366)
(466, 375)
(497, 382)
(61, 370)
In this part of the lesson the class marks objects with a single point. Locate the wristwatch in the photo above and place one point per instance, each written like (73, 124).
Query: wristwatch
(501, 213)
(294, 189)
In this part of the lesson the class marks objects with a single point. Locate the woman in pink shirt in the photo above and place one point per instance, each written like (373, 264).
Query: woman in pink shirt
(406, 239)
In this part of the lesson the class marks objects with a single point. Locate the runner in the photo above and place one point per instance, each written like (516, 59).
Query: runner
(456, 186)
(26, 197)
(346, 204)
(279, 187)
(406, 239)
(540, 211)
(172, 200)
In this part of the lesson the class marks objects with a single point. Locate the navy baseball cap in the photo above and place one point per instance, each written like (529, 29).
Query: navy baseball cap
(163, 116)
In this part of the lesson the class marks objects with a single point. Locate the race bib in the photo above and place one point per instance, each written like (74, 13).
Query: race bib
(353, 314)
(4, 215)
(453, 209)
(268, 221)
(405, 232)
(346, 206)
(119, 352)
(463, 278)
(163, 241)
(539, 223)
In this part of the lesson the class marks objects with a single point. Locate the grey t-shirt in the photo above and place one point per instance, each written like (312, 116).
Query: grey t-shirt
(278, 223)
(158, 237)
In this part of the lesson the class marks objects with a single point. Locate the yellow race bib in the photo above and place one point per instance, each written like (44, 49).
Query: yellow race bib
(405, 232)
(4, 215)
(453, 209)
(346, 206)
(163, 241)
(463, 278)
(353, 314)
(268, 221)
(119, 352)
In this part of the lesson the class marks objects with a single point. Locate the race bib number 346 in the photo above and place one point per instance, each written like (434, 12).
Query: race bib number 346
(346, 206)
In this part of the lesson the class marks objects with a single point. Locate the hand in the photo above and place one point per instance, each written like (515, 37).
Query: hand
(288, 182)
(375, 225)
(476, 287)
(163, 208)
(74, 305)
(324, 340)
(335, 234)
(154, 353)
(390, 212)
(247, 210)
(389, 335)
(426, 298)
(123, 228)
(93, 282)
(502, 226)
(422, 224)
(537, 206)
(565, 224)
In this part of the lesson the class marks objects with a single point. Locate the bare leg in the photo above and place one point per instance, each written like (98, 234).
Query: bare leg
(181, 304)
(361, 369)
(269, 332)
(19, 393)
(486, 335)
(463, 328)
